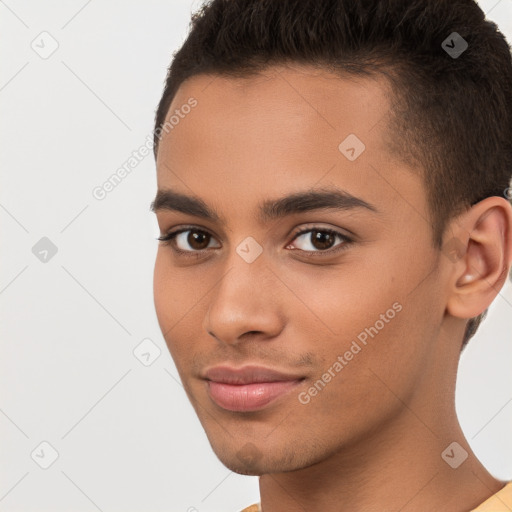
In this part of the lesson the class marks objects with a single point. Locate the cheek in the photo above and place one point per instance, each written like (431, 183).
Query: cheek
(174, 304)
(339, 301)
(174, 291)
(363, 316)
(384, 362)
(367, 386)
(162, 296)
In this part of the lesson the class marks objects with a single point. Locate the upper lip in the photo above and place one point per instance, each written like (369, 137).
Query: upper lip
(247, 375)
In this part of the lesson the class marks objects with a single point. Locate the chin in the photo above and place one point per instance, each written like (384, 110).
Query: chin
(246, 460)
(249, 460)
(246, 471)
(232, 462)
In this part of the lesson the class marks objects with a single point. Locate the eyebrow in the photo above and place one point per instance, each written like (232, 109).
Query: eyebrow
(268, 210)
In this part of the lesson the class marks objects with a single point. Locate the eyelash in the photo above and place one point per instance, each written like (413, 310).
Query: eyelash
(168, 239)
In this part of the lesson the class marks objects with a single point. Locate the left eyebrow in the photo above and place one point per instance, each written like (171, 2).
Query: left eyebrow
(270, 209)
(311, 200)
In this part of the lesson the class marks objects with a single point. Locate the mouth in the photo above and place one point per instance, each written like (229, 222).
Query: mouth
(250, 388)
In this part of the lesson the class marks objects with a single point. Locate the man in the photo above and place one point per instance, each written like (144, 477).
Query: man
(333, 184)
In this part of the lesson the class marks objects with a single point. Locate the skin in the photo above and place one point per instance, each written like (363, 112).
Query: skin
(372, 438)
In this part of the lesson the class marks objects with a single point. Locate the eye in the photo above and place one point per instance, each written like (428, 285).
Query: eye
(320, 240)
(191, 241)
(188, 240)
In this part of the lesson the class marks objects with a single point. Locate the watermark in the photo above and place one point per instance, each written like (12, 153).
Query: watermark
(44, 250)
(45, 45)
(454, 249)
(147, 352)
(249, 454)
(454, 455)
(44, 455)
(248, 249)
(355, 347)
(100, 192)
(174, 120)
(454, 45)
(352, 147)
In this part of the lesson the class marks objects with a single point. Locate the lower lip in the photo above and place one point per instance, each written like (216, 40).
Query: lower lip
(248, 397)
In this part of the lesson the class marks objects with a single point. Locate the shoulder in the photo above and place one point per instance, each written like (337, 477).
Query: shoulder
(253, 508)
(499, 502)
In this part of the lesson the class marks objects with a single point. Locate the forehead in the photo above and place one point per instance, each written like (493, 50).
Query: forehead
(284, 130)
(297, 103)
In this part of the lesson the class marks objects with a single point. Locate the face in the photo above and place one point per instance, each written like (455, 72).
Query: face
(300, 251)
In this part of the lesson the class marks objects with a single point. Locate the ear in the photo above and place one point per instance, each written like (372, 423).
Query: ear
(479, 250)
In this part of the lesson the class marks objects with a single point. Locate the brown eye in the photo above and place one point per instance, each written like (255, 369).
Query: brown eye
(188, 240)
(318, 240)
(322, 239)
(197, 239)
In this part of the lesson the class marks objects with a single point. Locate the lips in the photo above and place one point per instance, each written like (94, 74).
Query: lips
(249, 388)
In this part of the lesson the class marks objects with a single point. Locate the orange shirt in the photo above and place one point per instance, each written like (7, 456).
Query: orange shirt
(499, 502)
(253, 508)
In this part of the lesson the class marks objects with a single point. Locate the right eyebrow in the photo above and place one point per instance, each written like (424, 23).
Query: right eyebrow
(167, 199)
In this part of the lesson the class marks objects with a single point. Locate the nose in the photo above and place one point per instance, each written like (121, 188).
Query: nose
(244, 304)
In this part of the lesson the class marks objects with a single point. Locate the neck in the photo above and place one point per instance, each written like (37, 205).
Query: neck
(398, 467)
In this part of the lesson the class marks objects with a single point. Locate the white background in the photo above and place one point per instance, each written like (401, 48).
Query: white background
(126, 436)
